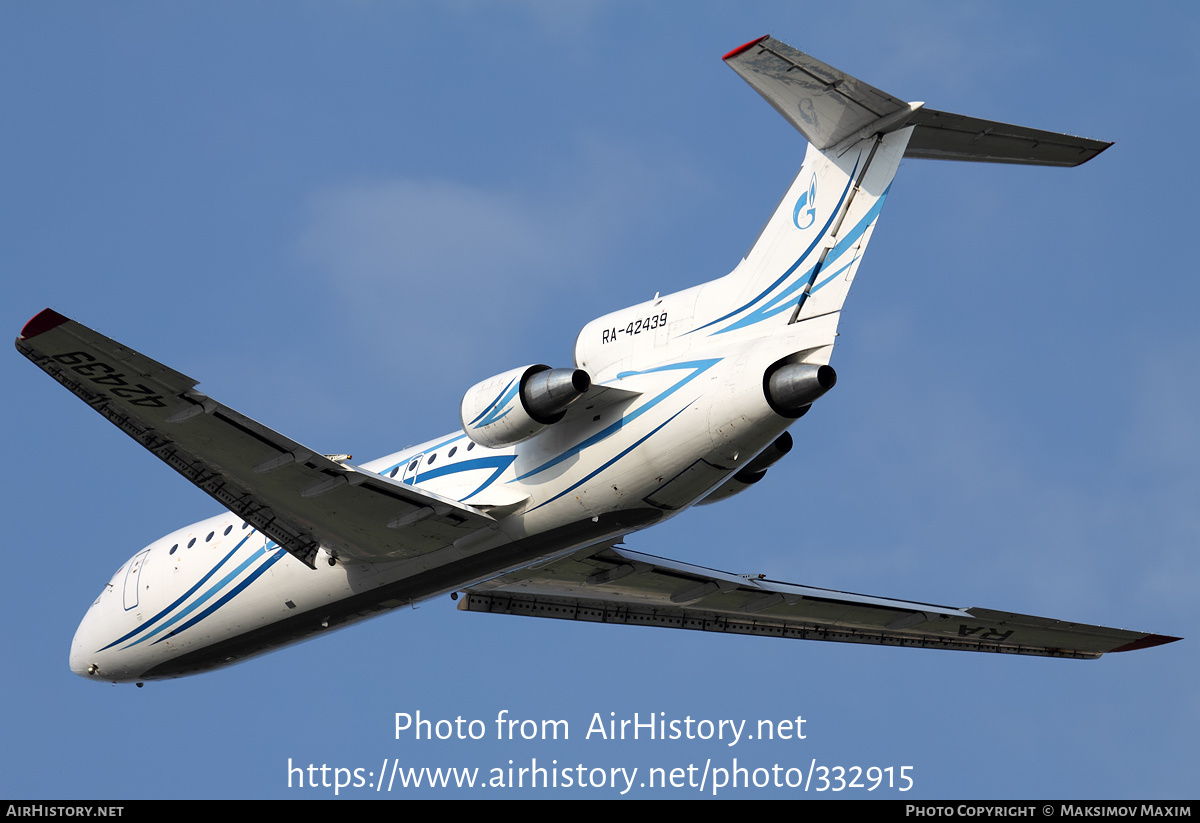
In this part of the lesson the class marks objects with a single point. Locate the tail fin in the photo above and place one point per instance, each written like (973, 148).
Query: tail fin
(832, 109)
(804, 260)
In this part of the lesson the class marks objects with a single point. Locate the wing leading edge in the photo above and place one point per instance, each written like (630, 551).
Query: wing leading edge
(620, 586)
(299, 498)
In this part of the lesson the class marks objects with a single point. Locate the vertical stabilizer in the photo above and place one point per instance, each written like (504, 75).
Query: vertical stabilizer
(803, 262)
(806, 255)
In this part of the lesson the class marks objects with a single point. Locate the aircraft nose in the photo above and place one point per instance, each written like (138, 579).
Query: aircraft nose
(78, 662)
(83, 646)
(96, 650)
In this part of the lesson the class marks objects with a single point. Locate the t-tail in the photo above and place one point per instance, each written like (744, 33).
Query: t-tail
(802, 264)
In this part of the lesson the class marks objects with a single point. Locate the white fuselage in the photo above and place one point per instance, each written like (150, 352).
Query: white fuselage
(217, 591)
(669, 402)
(690, 371)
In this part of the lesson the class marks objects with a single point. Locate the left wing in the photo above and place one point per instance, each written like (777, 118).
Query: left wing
(612, 585)
(299, 498)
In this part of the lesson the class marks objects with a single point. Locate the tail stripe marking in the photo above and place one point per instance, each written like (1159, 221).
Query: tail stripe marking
(784, 299)
(819, 237)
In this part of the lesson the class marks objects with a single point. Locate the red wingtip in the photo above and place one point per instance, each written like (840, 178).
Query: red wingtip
(1146, 642)
(44, 321)
(741, 49)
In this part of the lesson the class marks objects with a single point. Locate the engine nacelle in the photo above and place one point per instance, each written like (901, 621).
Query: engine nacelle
(752, 472)
(516, 405)
(792, 387)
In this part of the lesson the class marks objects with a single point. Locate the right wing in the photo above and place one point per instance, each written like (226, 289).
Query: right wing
(300, 499)
(611, 585)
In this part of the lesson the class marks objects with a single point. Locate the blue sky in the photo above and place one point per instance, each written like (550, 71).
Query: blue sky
(340, 216)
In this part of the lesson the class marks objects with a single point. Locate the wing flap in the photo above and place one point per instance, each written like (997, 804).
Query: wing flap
(299, 498)
(620, 586)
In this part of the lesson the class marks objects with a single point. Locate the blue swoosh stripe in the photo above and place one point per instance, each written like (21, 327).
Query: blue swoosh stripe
(205, 597)
(493, 412)
(491, 405)
(819, 237)
(698, 366)
(653, 432)
(844, 245)
(499, 463)
(826, 281)
(182, 597)
(384, 471)
(232, 594)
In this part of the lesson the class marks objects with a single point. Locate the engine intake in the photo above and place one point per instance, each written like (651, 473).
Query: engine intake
(516, 405)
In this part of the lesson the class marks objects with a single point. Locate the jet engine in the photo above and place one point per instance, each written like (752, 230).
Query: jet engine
(517, 404)
(792, 387)
(752, 472)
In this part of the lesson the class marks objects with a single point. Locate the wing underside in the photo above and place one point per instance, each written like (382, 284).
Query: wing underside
(615, 585)
(299, 498)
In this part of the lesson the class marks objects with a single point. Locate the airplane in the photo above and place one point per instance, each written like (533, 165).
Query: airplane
(682, 400)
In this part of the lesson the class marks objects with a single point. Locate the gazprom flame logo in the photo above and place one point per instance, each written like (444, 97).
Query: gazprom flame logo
(805, 213)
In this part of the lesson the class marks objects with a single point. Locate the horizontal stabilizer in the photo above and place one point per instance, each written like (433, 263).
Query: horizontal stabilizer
(940, 135)
(613, 585)
(297, 497)
(831, 108)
